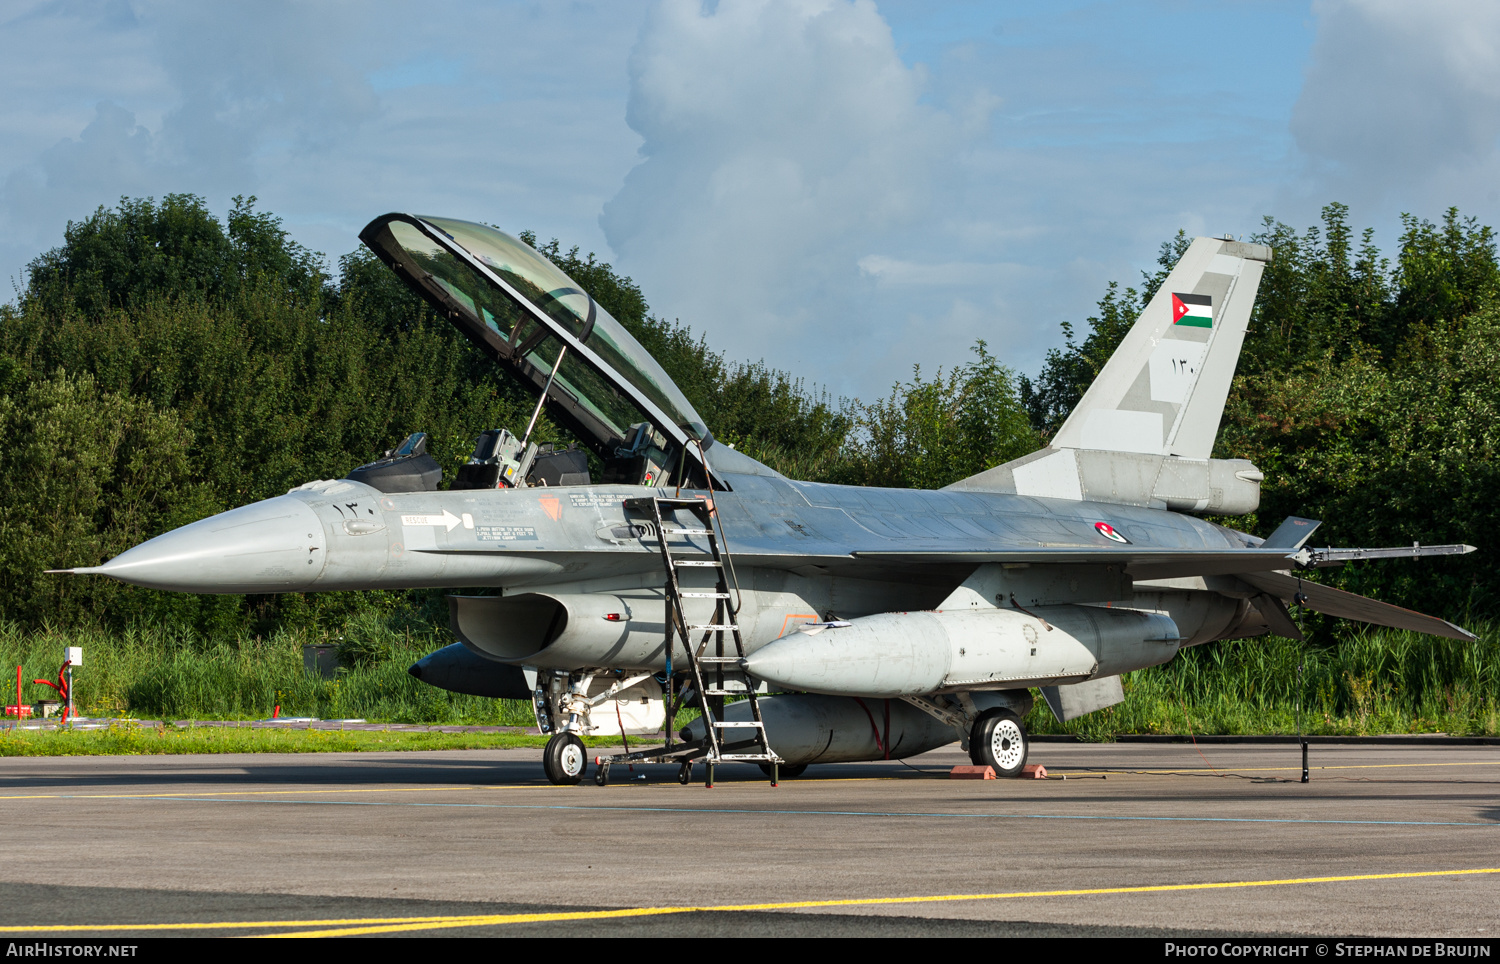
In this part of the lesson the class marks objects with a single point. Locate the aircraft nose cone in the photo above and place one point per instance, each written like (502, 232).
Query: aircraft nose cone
(272, 546)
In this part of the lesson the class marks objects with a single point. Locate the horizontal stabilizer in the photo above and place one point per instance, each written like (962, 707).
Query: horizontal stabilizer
(1347, 605)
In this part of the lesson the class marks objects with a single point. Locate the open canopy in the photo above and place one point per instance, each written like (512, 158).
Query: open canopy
(524, 312)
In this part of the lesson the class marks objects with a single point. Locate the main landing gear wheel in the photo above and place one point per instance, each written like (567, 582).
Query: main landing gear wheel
(998, 740)
(565, 759)
(787, 771)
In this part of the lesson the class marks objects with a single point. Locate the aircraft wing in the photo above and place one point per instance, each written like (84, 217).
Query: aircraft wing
(1348, 605)
(1140, 562)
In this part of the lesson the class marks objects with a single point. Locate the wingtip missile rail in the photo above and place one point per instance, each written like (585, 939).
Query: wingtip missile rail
(1323, 558)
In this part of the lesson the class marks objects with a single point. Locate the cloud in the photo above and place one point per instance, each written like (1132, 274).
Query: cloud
(838, 189)
(895, 271)
(843, 200)
(331, 113)
(257, 76)
(224, 84)
(782, 141)
(113, 155)
(1402, 101)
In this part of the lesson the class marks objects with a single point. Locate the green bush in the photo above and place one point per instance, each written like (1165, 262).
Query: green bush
(1374, 681)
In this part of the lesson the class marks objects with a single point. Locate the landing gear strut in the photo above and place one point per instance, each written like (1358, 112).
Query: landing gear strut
(565, 759)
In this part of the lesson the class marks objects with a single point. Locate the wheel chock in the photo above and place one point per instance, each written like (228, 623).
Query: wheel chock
(1033, 771)
(972, 773)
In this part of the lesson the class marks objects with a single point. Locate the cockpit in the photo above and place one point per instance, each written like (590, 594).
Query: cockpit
(534, 321)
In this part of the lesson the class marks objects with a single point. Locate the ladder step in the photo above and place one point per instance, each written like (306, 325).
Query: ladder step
(681, 554)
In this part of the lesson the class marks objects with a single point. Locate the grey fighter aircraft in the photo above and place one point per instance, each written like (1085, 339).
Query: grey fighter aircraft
(860, 623)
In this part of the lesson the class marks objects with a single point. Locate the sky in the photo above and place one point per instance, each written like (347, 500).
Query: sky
(845, 189)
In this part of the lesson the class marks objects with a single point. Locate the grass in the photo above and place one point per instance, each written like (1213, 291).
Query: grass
(128, 739)
(1374, 681)
(154, 674)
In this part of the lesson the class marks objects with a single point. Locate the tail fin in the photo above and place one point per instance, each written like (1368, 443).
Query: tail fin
(1144, 431)
(1162, 392)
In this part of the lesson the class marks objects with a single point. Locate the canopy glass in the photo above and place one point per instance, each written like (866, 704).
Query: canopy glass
(521, 307)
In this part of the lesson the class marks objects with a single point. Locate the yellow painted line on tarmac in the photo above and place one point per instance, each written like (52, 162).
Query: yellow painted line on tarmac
(1233, 769)
(499, 919)
(353, 927)
(223, 925)
(260, 793)
(860, 902)
(622, 783)
(1069, 769)
(784, 780)
(271, 793)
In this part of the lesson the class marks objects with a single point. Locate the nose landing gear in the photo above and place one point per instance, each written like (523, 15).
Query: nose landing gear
(565, 760)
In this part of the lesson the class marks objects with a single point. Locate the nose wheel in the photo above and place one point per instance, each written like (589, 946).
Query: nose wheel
(565, 759)
(999, 741)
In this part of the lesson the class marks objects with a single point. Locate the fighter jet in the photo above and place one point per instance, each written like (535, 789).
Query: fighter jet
(654, 568)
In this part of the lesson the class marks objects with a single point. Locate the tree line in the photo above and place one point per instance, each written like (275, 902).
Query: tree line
(1366, 391)
(161, 365)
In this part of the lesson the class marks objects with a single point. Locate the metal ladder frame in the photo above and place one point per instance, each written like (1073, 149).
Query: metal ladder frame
(707, 669)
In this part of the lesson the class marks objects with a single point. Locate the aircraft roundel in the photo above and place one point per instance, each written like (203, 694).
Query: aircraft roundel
(1108, 531)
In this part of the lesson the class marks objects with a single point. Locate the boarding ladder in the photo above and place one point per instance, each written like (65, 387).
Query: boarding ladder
(714, 662)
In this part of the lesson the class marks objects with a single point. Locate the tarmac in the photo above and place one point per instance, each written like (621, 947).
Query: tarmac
(1149, 840)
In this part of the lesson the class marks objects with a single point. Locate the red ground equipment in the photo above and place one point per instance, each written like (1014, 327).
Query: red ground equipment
(61, 686)
(20, 711)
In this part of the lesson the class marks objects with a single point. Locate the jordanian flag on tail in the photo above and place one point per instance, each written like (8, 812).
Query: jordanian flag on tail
(1194, 311)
